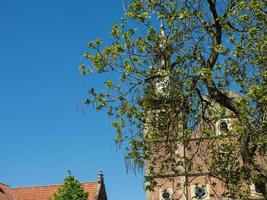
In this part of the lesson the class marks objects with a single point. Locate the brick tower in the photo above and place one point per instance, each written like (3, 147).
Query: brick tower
(190, 177)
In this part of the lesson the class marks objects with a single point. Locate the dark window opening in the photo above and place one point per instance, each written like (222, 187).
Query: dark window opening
(166, 195)
(200, 192)
(224, 126)
(260, 188)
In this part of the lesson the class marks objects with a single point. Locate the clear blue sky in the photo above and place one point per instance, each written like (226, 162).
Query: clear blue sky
(43, 131)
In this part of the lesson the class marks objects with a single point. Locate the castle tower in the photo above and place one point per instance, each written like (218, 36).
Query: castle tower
(188, 177)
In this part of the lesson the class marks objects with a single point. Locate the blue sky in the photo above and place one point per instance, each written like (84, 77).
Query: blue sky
(44, 128)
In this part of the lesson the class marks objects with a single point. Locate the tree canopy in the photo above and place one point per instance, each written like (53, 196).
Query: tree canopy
(71, 190)
(174, 64)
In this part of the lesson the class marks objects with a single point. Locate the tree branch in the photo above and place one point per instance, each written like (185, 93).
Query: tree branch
(216, 36)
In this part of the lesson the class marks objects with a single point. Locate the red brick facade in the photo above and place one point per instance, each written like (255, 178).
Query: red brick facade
(194, 182)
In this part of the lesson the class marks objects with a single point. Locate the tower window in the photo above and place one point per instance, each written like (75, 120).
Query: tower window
(223, 126)
(200, 192)
(166, 194)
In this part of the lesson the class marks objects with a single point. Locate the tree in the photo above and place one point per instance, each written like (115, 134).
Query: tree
(166, 81)
(71, 190)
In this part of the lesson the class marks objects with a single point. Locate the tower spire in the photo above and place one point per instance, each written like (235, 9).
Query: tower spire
(162, 33)
(100, 177)
(162, 29)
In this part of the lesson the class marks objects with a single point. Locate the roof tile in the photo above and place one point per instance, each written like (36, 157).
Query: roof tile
(42, 192)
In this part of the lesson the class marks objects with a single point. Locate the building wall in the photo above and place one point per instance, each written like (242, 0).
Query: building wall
(194, 177)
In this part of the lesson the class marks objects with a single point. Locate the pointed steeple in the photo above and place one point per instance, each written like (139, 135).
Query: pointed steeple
(162, 29)
(100, 177)
(162, 84)
(163, 41)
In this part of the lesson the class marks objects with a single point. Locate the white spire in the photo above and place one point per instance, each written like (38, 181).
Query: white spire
(162, 33)
(162, 84)
(162, 29)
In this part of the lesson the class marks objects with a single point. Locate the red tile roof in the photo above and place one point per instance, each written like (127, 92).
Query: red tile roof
(96, 191)
(44, 192)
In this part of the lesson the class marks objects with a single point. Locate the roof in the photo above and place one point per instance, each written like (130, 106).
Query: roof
(44, 192)
(96, 191)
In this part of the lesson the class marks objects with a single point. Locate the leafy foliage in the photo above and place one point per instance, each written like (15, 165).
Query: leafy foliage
(206, 62)
(71, 190)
